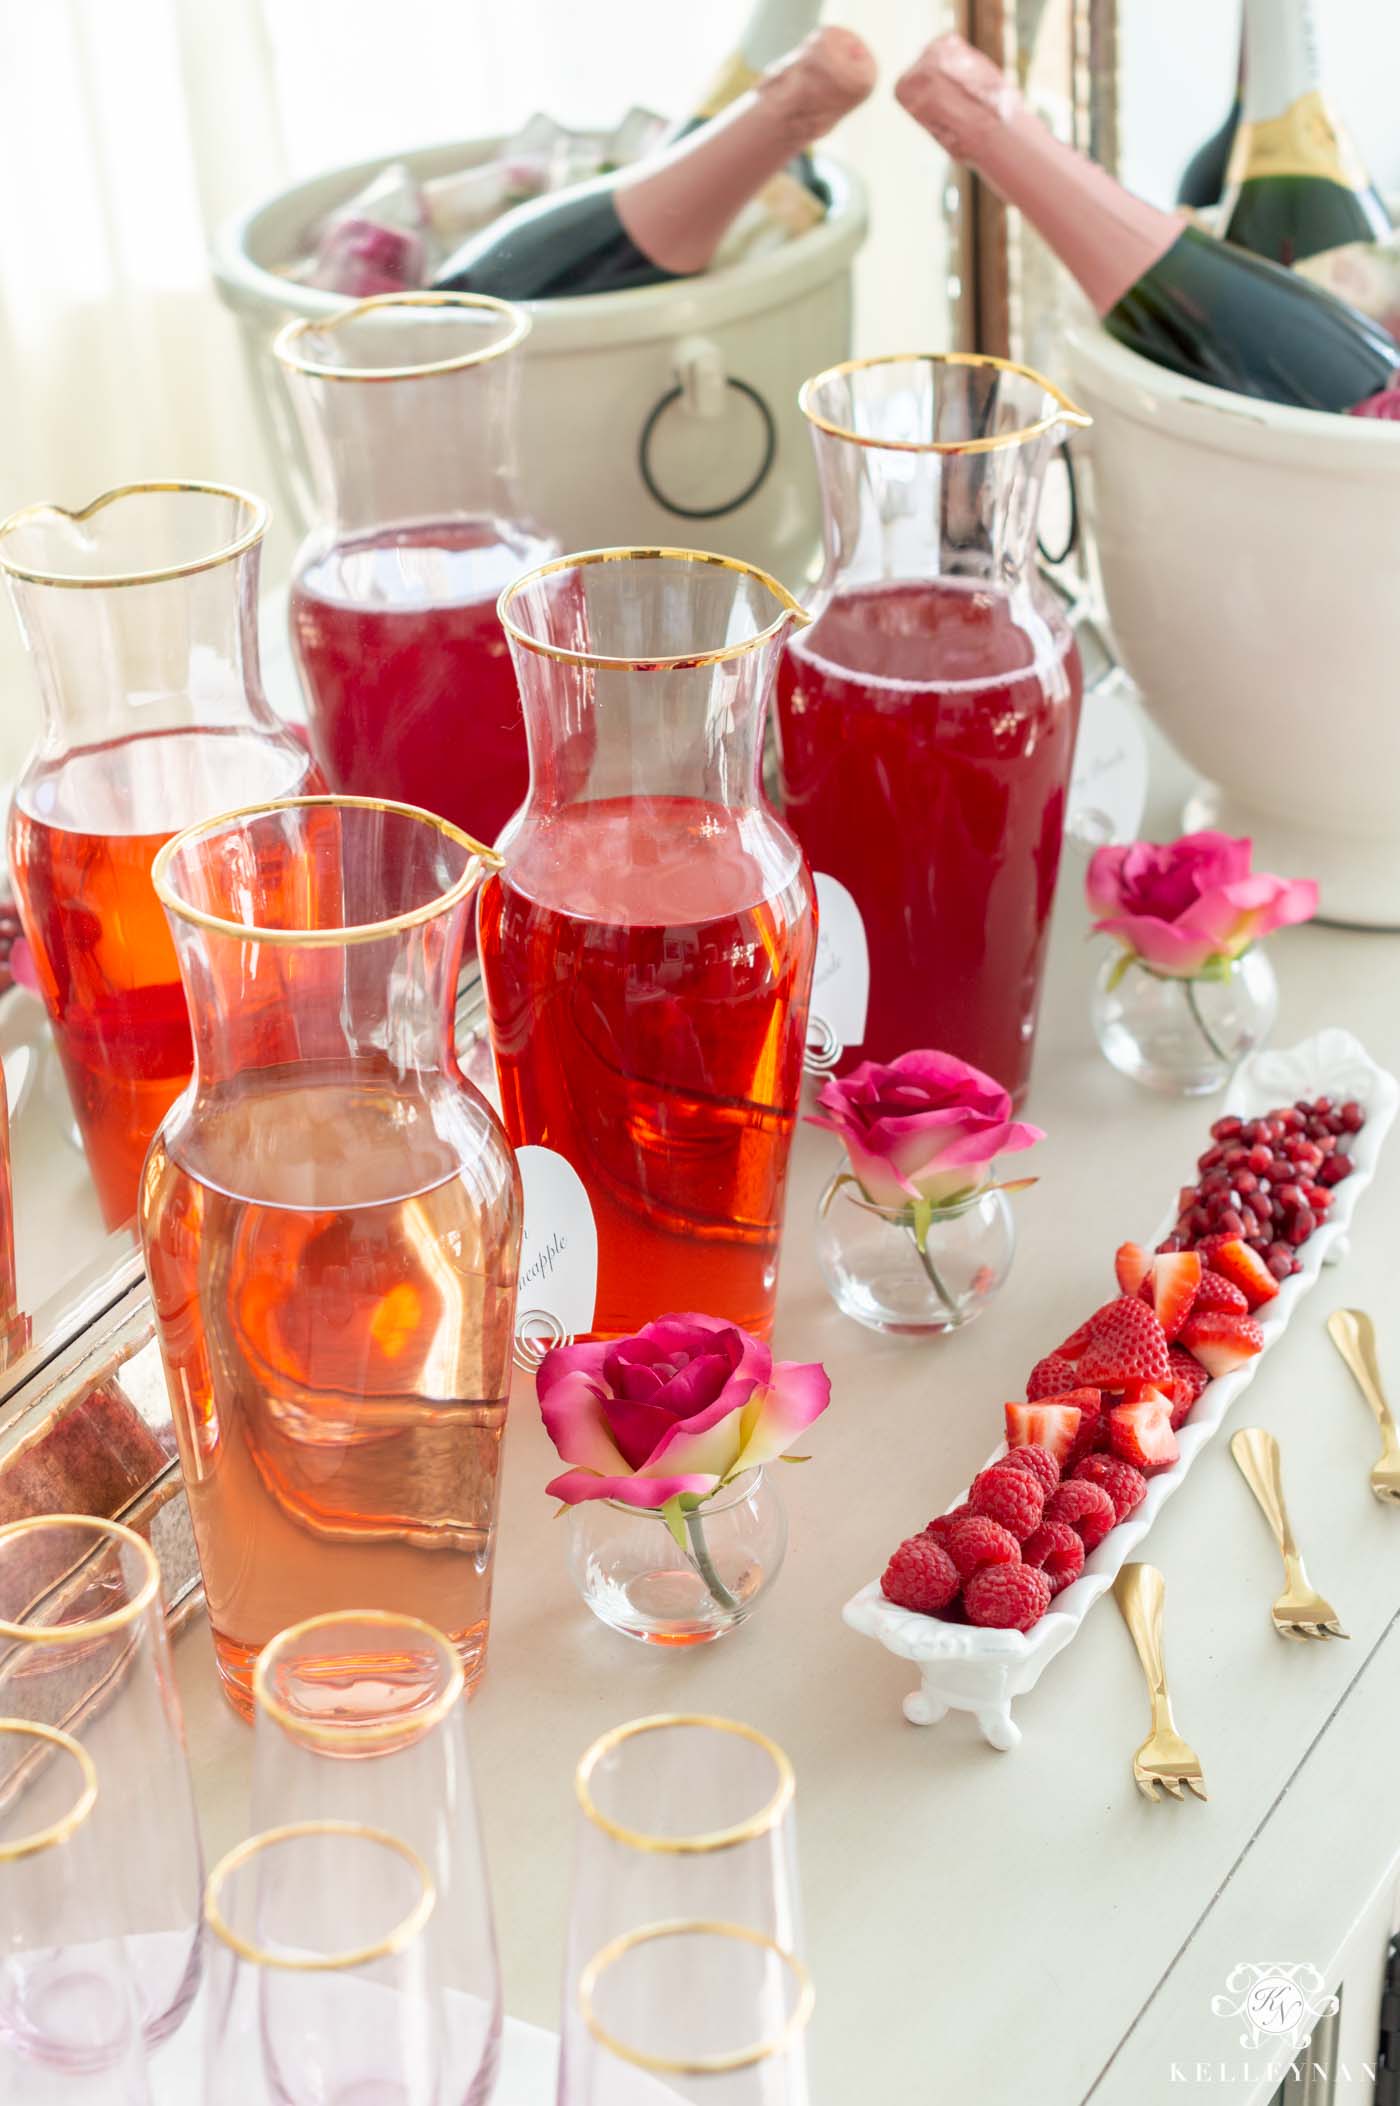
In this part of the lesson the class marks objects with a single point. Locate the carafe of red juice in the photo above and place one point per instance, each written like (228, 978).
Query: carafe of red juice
(406, 404)
(331, 1222)
(927, 717)
(647, 949)
(140, 614)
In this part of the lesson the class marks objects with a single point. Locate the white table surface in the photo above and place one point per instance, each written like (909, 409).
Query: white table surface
(993, 1929)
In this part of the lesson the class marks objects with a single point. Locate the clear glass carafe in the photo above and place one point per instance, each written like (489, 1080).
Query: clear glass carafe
(648, 948)
(140, 614)
(407, 407)
(927, 718)
(331, 1220)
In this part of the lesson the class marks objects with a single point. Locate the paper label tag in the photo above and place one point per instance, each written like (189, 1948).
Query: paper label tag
(558, 1256)
(841, 981)
(1108, 790)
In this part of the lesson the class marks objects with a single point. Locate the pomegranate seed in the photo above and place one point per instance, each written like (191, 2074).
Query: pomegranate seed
(1353, 1117)
(1291, 1196)
(1279, 1261)
(1172, 1242)
(1302, 1225)
(1246, 1182)
(1225, 1129)
(1335, 1169)
(1231, 1222)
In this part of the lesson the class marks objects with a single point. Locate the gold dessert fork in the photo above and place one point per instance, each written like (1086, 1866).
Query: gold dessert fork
(1164, 1757)
(1354, 1336)
(1300, 1611)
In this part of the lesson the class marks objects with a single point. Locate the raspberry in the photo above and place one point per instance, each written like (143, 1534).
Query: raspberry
(1050, 1377)
(1041, 1464)
(977, 1541)
(1007, 1597)
(1125, 1486)
(1187, 1368)
(1012, 1496)
(941, 1523)
(1126, 1344)
(921, 1576)
(1058, 1551)
(1084, 1507)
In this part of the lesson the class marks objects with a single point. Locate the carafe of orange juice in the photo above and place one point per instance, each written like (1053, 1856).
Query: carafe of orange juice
(139, 612)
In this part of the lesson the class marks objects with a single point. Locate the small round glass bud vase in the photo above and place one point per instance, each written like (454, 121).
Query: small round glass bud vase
(1184, 1037)
(913, 1270)
(685, 1586)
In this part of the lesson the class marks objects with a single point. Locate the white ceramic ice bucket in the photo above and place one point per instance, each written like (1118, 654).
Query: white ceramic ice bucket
(1251, 565)
(644, 415)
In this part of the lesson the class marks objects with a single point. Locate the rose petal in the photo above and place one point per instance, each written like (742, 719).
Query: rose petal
(575, 1486)
(572, 1410)
(637, 1429)
(568, 1360)
(799, 1393)
(1160, 944)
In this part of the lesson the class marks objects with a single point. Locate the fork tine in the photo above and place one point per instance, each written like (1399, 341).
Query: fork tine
(1288, 1630)
(1146, 1785)
(1334, 1630)
(1198, 1786)
(1173, 1785)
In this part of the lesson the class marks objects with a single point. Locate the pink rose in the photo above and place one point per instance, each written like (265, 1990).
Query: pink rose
(923, 1127)
(1182, 905)
(687, 1404)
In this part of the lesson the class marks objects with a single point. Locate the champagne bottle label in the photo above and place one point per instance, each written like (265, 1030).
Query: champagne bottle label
(841, 979)
(1303, 141)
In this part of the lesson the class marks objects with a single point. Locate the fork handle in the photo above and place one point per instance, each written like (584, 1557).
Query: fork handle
(1354, 1336)
(1256, 1452)
(1139, 1591)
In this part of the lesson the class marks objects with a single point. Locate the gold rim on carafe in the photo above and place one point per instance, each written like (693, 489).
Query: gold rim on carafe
(1068, 413)
(259, 515)
(289, 336)
(792, 610)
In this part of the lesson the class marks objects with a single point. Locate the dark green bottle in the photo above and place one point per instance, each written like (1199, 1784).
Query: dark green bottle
(1203, 178)
(1295, 184)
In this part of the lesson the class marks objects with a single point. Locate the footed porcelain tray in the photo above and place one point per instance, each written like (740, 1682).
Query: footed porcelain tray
(963, 1668)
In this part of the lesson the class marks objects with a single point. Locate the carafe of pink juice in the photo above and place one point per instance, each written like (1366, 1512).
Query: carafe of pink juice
(140, 614)
(647, 949)
(331, 1222)
(927, 717)
(407, 404)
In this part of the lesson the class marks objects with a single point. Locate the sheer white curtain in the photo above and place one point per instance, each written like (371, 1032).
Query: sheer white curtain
(132, 127)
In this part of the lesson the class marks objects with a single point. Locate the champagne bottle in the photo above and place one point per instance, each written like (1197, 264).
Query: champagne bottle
(773, 28)
(1167, 290)
(1295, 184)
(665, 217)
(1204, 176)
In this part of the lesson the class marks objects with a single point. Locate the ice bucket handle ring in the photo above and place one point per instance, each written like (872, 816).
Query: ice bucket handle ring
(701, 382)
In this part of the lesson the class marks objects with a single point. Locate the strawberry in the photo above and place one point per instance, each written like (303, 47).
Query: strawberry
(1244, 1268)
(1126, 1344)
(1131, 1265)
(1049, 1378)
(1053, 1424)
(1142, 1433)
(1180, 1394)
(1188, 1369)
(1216, 1292)
(1176, 1276)
(1077, 1340)
(1222, 1340)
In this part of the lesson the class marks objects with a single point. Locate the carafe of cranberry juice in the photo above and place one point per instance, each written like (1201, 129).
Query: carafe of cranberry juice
(140, 614)
(927, 718)
(406, 405)
(331, 1222)
(647, 949)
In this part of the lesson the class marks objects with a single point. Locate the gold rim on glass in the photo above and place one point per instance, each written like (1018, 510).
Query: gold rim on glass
(760, 1823)
(697, 2065)
(346, 1733)
(1067, 413)
(252, 533)
(460, 890)
(792, 610)
(290, 334)
(395, 1941)
(57, 1831)
(97, 1626)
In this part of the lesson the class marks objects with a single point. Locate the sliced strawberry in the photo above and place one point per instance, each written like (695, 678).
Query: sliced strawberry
(1181, 1394)
(1222, 1340)
(1131, 1265)
(1126, 1344)
(1216, 1292)
(1245, 1269)
(1186, 1368)
(1176, 1276)
(1142, 1433)
(1053, 1425)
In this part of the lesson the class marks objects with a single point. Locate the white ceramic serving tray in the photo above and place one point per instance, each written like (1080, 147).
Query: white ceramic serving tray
(963, 1668)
